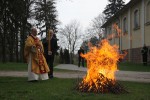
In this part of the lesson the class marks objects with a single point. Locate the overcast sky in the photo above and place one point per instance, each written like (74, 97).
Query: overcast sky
(81, 10)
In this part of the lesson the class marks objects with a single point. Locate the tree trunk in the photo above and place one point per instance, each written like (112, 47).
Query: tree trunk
(4, 36)
(17, 57)
(11, 47)
(22, 42)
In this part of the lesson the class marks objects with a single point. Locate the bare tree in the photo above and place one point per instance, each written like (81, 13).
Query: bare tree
(70, 37)
(95, 28)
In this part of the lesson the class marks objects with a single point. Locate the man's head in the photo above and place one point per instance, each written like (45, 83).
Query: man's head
(51, 33)
(34, 31)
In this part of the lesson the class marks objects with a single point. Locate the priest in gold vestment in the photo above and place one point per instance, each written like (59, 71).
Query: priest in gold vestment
(33, 52)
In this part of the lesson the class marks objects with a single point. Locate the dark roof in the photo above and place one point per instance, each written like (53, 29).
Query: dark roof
(121, 11)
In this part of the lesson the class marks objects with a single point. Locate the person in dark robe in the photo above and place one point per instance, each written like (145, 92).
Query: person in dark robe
(80, 58)
(144, 52)
(50, 54)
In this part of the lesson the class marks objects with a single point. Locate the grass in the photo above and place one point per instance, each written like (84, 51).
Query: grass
(12, 88)
(133, 67)
(128, 66)
(122, 66)
(22, 67)
(13, 66)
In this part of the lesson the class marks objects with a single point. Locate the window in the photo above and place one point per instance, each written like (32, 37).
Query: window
(148, 12)
(136, 19)
(116, 30)
(109, 35)
(125, 25)
(118, 23)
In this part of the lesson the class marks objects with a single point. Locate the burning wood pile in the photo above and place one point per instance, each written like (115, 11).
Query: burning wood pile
(102, 65)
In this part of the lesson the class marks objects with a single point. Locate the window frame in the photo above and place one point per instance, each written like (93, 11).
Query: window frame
(125, 25)
(136, 19)
(147, 15)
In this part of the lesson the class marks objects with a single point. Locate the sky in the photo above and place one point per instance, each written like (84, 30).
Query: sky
(83, 11)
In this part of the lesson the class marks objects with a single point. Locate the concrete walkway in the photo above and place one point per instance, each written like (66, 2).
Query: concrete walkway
(120, 75)
(81, 72)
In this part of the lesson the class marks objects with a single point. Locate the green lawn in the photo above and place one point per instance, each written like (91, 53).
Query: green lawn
(13, 66)
(121, 66)
(133, 67)
(63, 89)
(22, 67)
(12, 88)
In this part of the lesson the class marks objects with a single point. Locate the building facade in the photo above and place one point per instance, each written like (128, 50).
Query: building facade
(129, 28)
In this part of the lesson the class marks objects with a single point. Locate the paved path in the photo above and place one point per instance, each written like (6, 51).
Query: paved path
(120, 75)
(81, 72)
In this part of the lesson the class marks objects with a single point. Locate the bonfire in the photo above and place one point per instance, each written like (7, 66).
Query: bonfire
(102, 64)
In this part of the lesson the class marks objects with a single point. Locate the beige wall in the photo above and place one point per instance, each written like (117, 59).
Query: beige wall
(136, 33)
(125, 42)
(116, 41)
(145, 3)
(124, 37)
(112, 41)
(147, 26)
(136, 39)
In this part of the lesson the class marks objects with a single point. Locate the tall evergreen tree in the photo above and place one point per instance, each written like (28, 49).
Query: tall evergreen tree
(46, 15)
(14, 24)
(13, 21)
(3, 23)
(113, 7)
(25, 24)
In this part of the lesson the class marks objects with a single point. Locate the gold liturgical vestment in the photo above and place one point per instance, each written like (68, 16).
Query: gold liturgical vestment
(34, 47)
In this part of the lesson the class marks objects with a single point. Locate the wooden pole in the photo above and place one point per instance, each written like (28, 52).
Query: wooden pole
(49, 42)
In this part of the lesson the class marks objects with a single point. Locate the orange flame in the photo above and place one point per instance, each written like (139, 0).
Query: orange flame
(101, 60)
